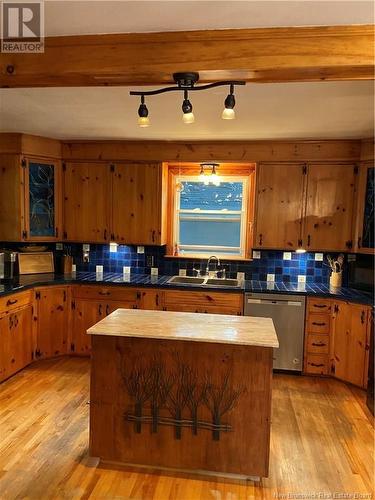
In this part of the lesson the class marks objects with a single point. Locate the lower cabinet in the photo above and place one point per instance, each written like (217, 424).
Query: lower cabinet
(16, 340)
(337, 336)
(51, 314)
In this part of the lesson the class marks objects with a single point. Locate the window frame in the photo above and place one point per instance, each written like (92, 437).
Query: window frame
(228, 173)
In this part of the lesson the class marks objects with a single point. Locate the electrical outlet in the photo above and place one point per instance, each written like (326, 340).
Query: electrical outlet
(126, 270)
(59, 246)
(270, 277)
(99, 269)
(301, 278)
(271, 285)
(154, 271)
(86, 247)
(256, 254)
(287, 255)
(113, 247)
(140, 249)
(74, 268)
(318, 257)
(182, 272)
(240, 276)
(149, 261)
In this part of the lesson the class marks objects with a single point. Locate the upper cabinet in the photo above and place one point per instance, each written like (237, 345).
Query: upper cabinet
(138, 203)
(30, 198)
(87, 204)
(364, 223)
(122, 202)
(329, 207)
(305, 205)
(279, 205)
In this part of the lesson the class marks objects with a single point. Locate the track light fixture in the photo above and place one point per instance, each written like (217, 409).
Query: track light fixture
(186, 83)
(143, 119)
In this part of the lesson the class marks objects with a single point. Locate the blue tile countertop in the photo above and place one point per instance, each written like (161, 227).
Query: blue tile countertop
(143, 280)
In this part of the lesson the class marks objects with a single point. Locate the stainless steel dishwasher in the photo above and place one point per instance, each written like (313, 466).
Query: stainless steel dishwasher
(288, 314)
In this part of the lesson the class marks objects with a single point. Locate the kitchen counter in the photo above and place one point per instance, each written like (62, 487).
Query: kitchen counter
(142, 280)
(183, 391)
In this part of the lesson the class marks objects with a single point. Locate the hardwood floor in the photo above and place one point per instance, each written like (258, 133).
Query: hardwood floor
(321, 442)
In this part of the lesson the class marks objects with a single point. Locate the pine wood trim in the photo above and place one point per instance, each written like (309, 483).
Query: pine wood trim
(258, 55)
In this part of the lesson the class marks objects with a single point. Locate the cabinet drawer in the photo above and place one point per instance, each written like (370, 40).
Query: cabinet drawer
(318, 344)
(318, 323)
(14, 301)
(106, 293)
(316, 364)
(203, 302)
(319, 305)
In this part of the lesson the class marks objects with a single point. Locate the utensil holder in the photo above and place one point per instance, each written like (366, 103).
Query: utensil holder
(335, 279)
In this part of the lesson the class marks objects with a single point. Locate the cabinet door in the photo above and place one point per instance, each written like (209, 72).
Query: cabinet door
(86, 202)
(364, 238)
(279, 206)
(349, 344)
(52, 318)
(43, 191)
(329, 207)
(85, 314)
(16, 345)
(137, 204)
(11, 198)
(151, 300)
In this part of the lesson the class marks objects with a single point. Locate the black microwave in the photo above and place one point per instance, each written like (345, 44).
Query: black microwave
(361, 272)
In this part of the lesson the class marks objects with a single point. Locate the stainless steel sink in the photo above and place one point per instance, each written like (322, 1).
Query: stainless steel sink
(195, 280)
(222, 282)
(186, 280)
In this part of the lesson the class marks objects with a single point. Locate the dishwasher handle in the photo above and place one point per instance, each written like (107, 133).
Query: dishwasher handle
(271, 302)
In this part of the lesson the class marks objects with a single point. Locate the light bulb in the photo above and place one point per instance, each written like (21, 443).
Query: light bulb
(300, 250)
(188, 117)
(143, 121)
(228, 114)
(215, 179)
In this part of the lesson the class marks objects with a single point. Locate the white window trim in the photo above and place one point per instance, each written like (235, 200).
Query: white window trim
(241, 213)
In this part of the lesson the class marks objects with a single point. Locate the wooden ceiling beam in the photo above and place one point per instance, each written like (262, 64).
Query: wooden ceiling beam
(255, 55)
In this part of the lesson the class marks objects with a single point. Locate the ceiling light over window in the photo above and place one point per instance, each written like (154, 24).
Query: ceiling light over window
(186, 82)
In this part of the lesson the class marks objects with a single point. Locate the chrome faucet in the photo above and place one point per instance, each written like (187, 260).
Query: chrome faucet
(209, 262)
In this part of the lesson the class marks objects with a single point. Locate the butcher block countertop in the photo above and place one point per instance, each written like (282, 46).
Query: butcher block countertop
(194, 327)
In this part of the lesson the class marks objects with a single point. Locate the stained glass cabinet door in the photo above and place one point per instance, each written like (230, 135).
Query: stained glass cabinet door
(42, 199)
(365, 211)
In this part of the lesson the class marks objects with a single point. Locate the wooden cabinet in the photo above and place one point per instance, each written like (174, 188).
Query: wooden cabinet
(279, 205)
(52, 308)
(309, 206)
(30, 198)
(351, 342)
(16, 340)
(138, 203)
(364, 223)
(317, 336)
(203, 302)
(329, 207)
(87, 204)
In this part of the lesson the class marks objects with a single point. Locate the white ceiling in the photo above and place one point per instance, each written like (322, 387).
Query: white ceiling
(263, 111)
(76, 17)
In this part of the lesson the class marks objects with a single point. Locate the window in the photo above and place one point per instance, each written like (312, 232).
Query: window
(210, 219)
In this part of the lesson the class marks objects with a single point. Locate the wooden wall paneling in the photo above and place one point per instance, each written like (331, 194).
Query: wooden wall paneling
(219, 151)
(12, 202)
(279, 205)
(53, 309)
(262, 55)
(328, 221)
(138, 203)
(87, 202)
(30, 145)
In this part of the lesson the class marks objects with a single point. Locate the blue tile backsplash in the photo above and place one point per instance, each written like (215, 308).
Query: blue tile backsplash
(271, 262)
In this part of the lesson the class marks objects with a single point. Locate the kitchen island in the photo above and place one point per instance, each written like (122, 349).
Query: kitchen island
(184, 391)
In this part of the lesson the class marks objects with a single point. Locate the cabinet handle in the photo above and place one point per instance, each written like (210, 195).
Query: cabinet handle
(363, 317)
(308, 240)
(320, 306)
(104, 293)
(100, 309)
(318, 344)
(153, 236)
(317, 364)
(56, 232)
(105, 234)
(157, 299)
(10, 322)
(359, 242)
(318, 324)
(260, 239)
(11, 302)
(64, 295)
(107, 309)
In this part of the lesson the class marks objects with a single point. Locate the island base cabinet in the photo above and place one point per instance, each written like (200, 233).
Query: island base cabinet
(16, 341)
(210, 410)
(52, 321)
